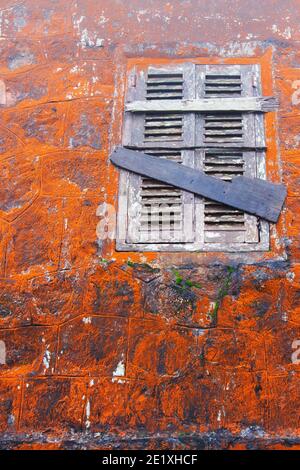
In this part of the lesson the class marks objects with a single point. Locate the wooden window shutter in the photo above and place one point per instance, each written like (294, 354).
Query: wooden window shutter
(224, 144)
(159, 213)
(230, 141)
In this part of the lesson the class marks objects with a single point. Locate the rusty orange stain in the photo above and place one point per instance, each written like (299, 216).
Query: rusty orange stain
(102, 341)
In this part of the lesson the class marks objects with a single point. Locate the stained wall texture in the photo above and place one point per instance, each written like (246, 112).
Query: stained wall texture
(103, 349)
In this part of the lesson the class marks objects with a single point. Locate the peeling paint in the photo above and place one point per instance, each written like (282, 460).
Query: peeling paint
(103, 349)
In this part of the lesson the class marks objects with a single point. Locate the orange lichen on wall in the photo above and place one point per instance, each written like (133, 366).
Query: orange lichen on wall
(97, 341)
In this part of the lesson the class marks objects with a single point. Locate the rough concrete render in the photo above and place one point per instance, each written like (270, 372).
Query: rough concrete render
(107, 349)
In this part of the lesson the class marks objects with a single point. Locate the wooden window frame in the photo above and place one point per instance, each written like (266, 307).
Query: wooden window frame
(129, 183)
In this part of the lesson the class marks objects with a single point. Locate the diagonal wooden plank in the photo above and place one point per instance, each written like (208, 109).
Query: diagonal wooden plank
(251, 195)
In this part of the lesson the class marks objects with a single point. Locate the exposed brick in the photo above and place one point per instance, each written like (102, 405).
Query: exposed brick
(280, 346)
(53, 404)
(246, 399)
(106, 407)
(185, 403)
(19, 55)
(284, 400)
(10, 402)
(111, 291)
(92, 345)
(15, 304)
(88, 125)
(41, 125)
(20, 184)
(35, 240)
(72, 174)
(156, 349)
(10, 144)
(29, 351)
(57, 297)
(79, 244)
(236, 349)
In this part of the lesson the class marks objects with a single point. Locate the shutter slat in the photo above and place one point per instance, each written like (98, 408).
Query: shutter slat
(164, 86)
(220, 218)
(160, 124)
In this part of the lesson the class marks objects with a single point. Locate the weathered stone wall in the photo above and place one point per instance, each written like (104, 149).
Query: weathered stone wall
(105, 349)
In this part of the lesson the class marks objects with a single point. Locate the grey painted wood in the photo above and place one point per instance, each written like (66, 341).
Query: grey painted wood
(204, 105)
(155, 132)
(196, 79)
(251, 195)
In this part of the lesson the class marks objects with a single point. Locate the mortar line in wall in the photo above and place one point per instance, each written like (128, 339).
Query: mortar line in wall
(26, 208)
(62, 208)
(83, 428)
(57, 348)
(21, 403)
(79, 197)
(268, 401)
(65, 121)
(36, 276)
(83, 315)
(279, 374)
(15, 135)
(128, 343)
(48, 325)
(28, 325)
(90, 376)
(87, 377)
(5, 259)
(69, 100)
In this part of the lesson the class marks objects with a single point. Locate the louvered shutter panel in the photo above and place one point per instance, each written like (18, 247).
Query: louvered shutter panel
(159, 213)
(227, 139)
(157, 216)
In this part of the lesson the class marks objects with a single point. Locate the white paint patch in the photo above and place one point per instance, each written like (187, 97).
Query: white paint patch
(284, 316)
(86, 40)
(286, 33)
(118, 381)
(2, 352)
(74, 69)
(46, 359)
(88, 413)
(120, 369)
(290, 276)
(102, 20)
(235, 49)
(11, 419)
(2, 93)
(99, 42)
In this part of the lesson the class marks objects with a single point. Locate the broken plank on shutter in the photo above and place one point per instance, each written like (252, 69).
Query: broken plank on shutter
(244, 104)
(251, 195)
